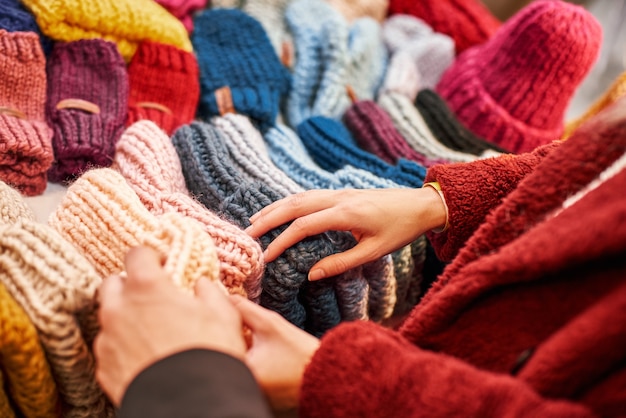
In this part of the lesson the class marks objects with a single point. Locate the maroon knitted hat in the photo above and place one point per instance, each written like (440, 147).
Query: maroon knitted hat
(514, 89)
(87, 105)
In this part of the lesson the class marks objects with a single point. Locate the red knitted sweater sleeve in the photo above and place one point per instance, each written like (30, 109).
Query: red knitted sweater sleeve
(473, 189)
(365, 370)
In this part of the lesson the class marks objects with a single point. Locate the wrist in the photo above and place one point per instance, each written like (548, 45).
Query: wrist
(440, 218)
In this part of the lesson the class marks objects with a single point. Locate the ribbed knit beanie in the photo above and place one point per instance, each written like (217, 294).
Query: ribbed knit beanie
(25, 137)
(352, 10)
(271, 14)
(468, 22)
(148, 161)
(15, 18)
(103, 218)
(86, 105)
(125, 22)
(184, 10)
(234, 51)
(330, 57)
(447, 129)
(332, 147)
(616, 90)
(164, 86)
(508, 93)
(411, 125)
(56, 287)
(402, 76)
(430, 52)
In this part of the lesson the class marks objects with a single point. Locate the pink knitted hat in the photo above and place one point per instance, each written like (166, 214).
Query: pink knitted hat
(147, 159)
(183, 9)
(514, 89)
(25, 139)
(103, 218)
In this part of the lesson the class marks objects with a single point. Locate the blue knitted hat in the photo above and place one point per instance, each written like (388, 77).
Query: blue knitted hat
(332, 147)
(15, 18)
(233, 50)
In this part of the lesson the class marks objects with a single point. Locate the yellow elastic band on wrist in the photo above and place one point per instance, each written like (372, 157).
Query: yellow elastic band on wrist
(435, 185)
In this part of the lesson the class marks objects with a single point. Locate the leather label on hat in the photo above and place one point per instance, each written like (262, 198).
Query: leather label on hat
(351, 94)
(79, 104)
(154, 105)
(286, 54)
(224, 99)
(12, 112)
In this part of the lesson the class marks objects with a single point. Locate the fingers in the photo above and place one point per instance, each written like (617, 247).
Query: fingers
(210, 292)
(256, 317)
(143, 265)
(110, 289)
(339, 263)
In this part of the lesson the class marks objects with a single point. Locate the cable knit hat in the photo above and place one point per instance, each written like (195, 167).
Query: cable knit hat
(24, 136)
(147, 159)
(125, 22)
(183, 10)
(103, 218)
(56, 288)
(332, 147)
(510, 94)
(86, 105)
(234, 51)
(164, 86)
(15, 18)
(468, 22)
(430, 52)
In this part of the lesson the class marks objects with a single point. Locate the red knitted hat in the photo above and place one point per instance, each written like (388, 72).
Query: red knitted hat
(468, 22)
(164, 86)
(514, 89)
(86, 106)
(25, 139)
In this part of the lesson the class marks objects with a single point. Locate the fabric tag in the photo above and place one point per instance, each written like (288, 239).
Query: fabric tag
(79, 104)
(224, 99)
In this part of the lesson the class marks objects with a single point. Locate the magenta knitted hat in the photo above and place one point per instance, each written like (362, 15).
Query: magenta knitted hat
(514, 89)
(86, 106)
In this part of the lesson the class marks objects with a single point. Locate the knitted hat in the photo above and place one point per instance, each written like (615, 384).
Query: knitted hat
(402, 76)
(375, 132)
(615, 91)
(330, 56)
(332, 147)
(24, 135)
(512, 95)
(164, 86)
(234, 51)
(183, 9)
(447, 129)
(411, 125)
(103, 218)
(468, 22)
(15, 18)
(431, 52)
(352, 10)
(86, 105)
(271, 14)
(147, 159)
(56, 287)
(125, 22)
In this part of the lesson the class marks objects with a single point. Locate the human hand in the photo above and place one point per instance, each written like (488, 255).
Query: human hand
(145, 317)
(278, 355)
(381, 220)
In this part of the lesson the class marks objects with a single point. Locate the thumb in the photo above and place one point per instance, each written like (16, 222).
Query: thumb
(256, 317)
(339, 263)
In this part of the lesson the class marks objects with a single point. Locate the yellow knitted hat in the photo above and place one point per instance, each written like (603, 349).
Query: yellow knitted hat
(26, 372)
(125, 22)
(103, 218)
(616, 90)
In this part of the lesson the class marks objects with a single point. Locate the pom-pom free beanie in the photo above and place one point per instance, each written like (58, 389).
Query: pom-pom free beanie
(25, 137)
(164, 86)
(86, 105)
(508, 93)
(15, 18)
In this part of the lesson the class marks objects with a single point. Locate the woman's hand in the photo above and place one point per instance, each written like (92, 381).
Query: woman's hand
(381, 220)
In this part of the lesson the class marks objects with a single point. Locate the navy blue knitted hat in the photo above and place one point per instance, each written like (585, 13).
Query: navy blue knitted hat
(15, 18)
(332, 147)
(234, 50)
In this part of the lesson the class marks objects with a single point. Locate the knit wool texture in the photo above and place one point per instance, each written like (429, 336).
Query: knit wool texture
(271, 14)
(430, 52)
(330, 56)
(94, 71)
(510, 94)
(103, 218)
(183, 10)
(148, 161)
(124, 22)
(233, 50)
(332, 147)
(352, 10)
(166, 76)
(56, 287)
(468, 22)
(402, 76)
(447, 129)
(15, 18)
(616, 90)
(27, 141)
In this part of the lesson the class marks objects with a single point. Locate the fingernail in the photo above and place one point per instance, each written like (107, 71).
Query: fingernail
(248, 229)
(316, 274)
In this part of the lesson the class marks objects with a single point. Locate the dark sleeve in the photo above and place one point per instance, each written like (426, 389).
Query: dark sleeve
(473, 189)
(195, 383)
